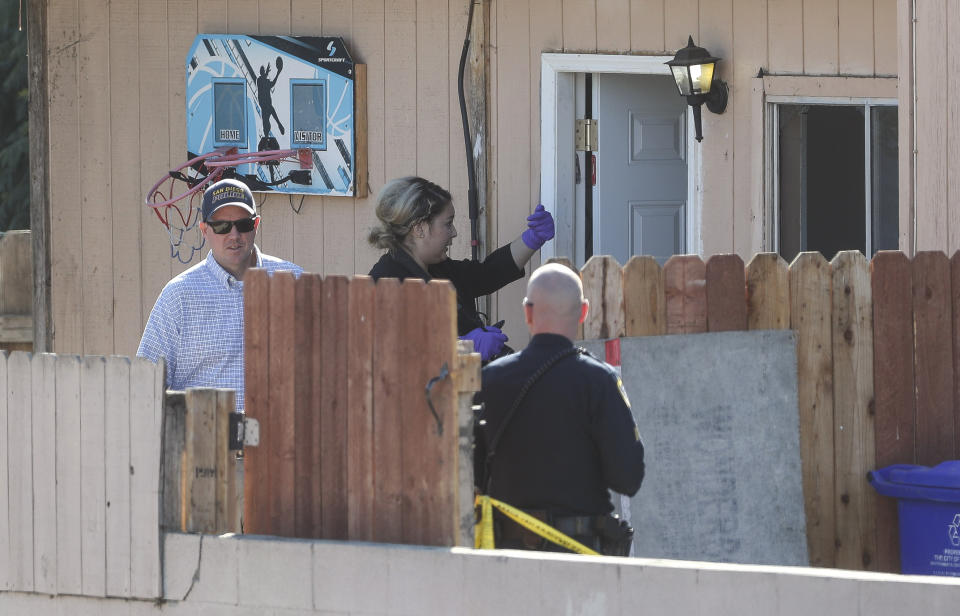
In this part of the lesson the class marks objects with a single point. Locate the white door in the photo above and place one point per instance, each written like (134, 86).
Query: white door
(640, 200)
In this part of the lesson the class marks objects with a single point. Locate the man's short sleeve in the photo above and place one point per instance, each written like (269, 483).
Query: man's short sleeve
(161, 336)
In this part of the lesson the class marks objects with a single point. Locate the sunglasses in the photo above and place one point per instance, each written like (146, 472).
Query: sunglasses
(222, 227)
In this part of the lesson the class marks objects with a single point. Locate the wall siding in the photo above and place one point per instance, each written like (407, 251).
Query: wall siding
(116, 90)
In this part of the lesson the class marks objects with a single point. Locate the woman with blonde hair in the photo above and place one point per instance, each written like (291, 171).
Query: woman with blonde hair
(416, 230)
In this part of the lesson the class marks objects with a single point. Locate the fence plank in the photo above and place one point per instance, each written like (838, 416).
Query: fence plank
(893, 392)
(44, 445)
(854, 425)
(333, 411)
(955, 302)
(360, 361)
(726, 294)
(685, 290)
(604, 279)
(416, 437)
(6, 563)
(93, 494)
(16, 273)
(174, 440)
(467, 383)
(68, 474)
(316, 436)
(226, 516)
(810, 283)
(257, 484)
(200, 460)
(768, 292)
(933, 358)
(277, 438)
(644, 302)
(20, 460)
(304, 413)
(440, 456)
(146, 413)
(387, 410)
(117, 464)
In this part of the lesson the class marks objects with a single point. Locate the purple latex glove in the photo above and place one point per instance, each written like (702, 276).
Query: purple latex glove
(487, 342)
(539, 228)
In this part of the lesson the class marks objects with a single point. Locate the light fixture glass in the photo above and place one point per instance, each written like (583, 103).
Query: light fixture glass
(693, 69)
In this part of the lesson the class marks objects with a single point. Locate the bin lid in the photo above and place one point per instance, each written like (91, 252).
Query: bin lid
(940, 482)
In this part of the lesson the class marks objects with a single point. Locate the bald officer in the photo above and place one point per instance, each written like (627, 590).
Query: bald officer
(571, 437)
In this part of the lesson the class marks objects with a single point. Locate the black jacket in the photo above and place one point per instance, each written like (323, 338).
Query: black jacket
(572, 437)
(471, 279)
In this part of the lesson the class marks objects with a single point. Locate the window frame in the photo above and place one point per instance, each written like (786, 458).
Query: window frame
(864, 92)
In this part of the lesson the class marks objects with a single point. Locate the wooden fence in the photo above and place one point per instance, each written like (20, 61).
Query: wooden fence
(337, 372)
(16, 291)
(79, 475)
(878, 355)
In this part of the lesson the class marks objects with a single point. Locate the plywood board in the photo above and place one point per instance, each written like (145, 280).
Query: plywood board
(68, 474)
(726, 294)
(644, 301)
(685, 289)
(933, 358)
(893, 390)
(718, 416)
(810, 320)
(768, 292)
(855, 500)
(44, 468)
(116, 422)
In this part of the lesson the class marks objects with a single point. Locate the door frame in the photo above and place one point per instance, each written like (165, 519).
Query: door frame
(557, 108)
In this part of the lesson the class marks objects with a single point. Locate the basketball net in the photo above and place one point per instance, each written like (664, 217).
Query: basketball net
(176, 198)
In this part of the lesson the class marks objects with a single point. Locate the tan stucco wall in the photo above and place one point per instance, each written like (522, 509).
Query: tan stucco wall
(116, 107)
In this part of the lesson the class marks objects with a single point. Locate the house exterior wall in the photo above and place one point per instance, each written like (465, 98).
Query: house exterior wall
(116, 123)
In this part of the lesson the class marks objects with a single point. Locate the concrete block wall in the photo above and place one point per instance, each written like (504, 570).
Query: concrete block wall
(247, 575)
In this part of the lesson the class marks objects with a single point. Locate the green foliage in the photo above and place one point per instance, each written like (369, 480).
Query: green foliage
(14, 142)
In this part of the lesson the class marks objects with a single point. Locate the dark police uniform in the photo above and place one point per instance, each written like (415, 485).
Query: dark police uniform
(471, 279)
(571, 439)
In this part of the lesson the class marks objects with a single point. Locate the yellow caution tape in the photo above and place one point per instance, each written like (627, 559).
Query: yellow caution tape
(483, 531)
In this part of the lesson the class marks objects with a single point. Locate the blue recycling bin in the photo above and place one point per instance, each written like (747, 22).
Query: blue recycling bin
(928, 501)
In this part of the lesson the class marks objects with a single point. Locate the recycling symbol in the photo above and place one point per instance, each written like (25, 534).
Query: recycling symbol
(953, 531)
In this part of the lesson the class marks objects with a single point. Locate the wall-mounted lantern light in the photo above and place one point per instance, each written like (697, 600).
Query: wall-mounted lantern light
(693, 69)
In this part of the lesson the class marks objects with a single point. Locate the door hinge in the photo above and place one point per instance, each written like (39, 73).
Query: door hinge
(586, 135)
(244, 431)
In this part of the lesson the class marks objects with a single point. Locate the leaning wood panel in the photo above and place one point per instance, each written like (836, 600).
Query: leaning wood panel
(19, 462)
(360, 366)
(116, 421)
(726, 295)
(603, 287)
(387, 410)
(68, 474)
(644, 301)
(810, 284)
(853, 420)
(44, 445)
(304, 413)
(6, 568)
(893, 390)
(933, 357)
(147, 385)
(685, 289)
(333, 408)
(768, 292)
(278, 437)
(257, 482)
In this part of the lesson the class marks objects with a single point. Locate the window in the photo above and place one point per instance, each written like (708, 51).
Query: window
(835, 182)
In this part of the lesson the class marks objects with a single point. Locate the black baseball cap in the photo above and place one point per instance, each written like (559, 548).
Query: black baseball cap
(227, 192)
